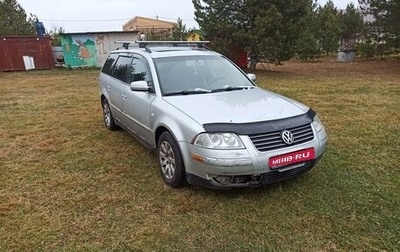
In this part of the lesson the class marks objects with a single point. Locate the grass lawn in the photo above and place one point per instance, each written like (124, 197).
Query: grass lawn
(68, 184)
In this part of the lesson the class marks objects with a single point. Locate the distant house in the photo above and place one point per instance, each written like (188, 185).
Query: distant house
(146, 26)
(196, 35)
(90, 49)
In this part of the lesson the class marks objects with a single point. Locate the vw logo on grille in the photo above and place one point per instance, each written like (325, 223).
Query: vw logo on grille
(287, 137)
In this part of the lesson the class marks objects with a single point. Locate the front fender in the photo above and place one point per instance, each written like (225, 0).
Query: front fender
(180, 125)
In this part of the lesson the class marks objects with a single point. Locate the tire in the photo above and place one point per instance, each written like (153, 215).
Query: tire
(170, 160)
(108, 117)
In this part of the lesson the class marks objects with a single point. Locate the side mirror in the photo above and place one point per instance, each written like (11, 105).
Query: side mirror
(252, 76)
(141, 86)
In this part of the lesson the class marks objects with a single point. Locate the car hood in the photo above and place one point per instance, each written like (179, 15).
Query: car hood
(238, 106)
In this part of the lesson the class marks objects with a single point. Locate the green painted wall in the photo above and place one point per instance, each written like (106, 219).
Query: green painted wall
(79, 50)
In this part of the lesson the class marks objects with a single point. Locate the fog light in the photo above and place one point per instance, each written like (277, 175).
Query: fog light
(223, 180)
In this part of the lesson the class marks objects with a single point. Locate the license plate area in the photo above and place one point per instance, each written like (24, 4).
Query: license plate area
(291, 158)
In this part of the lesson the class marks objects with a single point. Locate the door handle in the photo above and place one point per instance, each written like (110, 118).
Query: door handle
(108, 88)
(124, 96)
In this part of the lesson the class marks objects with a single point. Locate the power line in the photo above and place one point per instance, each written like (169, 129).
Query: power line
(82, 20)
(110, 20)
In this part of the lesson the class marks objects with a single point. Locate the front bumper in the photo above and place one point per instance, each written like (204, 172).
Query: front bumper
(246, 167)
(244, 181)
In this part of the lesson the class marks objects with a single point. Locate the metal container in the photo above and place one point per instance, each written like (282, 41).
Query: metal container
(25, 53)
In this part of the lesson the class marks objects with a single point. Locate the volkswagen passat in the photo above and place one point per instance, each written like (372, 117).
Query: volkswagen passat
(208, 121)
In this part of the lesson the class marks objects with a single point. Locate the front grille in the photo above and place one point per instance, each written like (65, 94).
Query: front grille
(276, 176)
(273, 140)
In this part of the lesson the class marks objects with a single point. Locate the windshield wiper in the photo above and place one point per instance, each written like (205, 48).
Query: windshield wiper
(188, 92)
(230, 88)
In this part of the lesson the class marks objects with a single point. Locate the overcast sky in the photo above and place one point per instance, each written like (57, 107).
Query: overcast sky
(110, 15)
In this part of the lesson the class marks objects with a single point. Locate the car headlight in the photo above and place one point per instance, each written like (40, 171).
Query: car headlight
(318, 124)
(218, 141)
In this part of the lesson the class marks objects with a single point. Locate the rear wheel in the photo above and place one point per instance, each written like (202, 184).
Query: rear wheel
(170, 161)
(107, 116)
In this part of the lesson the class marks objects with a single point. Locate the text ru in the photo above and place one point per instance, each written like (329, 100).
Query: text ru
(289, 159)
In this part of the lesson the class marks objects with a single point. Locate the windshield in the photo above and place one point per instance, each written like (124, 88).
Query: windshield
(184, 75)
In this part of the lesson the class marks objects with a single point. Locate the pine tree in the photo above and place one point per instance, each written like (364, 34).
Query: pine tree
(179, 32)
(14, 21)
(308, 47)
(351, 23)
(385, 30)
(269, 28)
(328, 27)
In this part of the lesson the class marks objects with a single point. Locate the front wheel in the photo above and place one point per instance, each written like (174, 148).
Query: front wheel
(170, 160)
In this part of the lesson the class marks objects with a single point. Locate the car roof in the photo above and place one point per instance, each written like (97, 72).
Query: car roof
(160, 49)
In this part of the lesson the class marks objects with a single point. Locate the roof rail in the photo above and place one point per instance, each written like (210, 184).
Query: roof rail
(145, 44)
(125, 43)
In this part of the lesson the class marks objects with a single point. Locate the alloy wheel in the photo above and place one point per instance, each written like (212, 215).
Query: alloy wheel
(167, 160)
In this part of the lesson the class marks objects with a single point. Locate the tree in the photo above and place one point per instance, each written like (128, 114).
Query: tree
(307, 47)
(14, 21)
(54, 33)
(328, 27)
(271, 28)
(214, 18)
(351, 24)
(366, 48)
(385, 30)
(155, 35)
(179, 32)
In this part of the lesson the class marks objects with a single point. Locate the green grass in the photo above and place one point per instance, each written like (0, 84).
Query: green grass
(67, 184)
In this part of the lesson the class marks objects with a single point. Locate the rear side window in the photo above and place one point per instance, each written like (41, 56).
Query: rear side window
(109, 63)
(120, 68)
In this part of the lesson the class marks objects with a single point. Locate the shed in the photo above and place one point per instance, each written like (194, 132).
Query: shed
(90, 49)
(346, 55)
(25, 53)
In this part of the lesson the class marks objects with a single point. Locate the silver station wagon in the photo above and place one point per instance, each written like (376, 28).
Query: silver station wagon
(207, 120)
